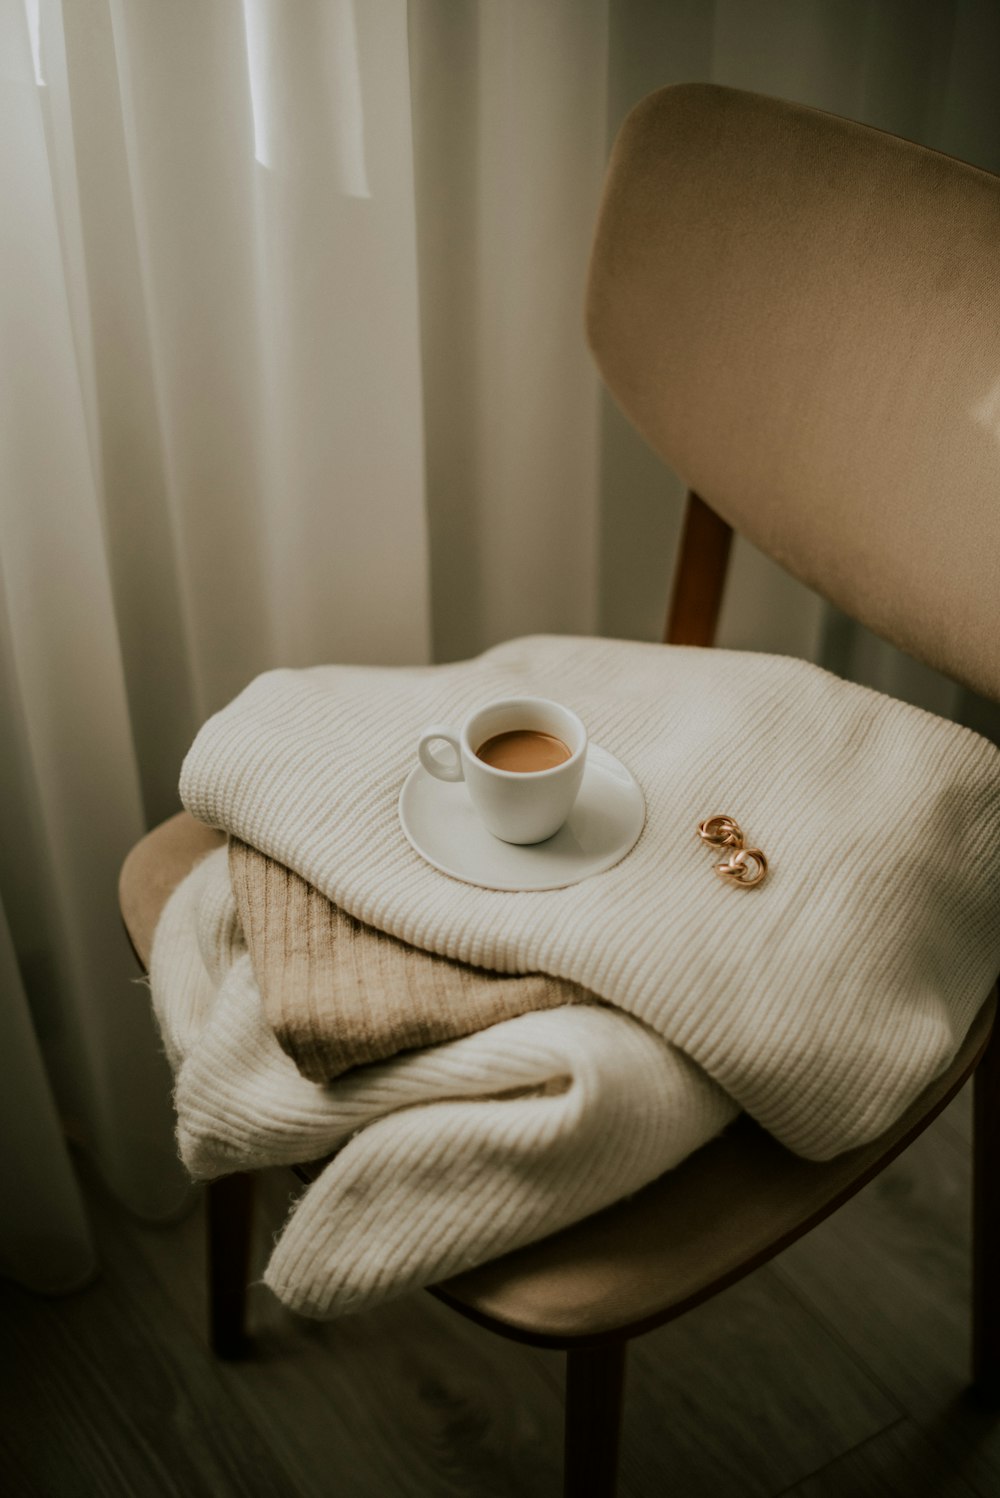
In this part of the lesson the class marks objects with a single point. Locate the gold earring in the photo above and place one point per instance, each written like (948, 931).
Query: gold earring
(744, 866)
(721, 832)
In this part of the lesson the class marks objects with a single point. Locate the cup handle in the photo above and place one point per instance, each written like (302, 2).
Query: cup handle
(439, 768)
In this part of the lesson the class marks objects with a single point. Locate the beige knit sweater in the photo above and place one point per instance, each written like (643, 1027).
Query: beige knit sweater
(822, 1002)
(338, 994)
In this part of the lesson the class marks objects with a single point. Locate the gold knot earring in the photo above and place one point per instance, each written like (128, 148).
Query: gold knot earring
(745, 866)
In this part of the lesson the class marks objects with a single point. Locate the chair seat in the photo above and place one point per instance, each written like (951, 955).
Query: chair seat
(728, 1208)
(153, 870)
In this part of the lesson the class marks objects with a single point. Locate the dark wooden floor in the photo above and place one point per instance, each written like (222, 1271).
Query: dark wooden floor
(838, 1371)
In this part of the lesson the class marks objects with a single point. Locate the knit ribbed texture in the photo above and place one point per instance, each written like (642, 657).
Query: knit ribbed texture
(445, 1157)
(823, 1001)
(338, 994)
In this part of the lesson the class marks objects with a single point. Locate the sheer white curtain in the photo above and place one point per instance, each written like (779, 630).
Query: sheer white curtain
(292, 369)
(212, 463)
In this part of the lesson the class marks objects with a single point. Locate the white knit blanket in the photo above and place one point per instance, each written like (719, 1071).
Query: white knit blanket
(821, 1002)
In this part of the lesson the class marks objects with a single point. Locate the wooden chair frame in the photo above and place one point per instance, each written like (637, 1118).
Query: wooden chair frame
(595, 1344)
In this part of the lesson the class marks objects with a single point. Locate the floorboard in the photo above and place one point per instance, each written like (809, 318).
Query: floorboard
(745, 1394)
(889, 1274)
(839, 1369)
(897, 1463)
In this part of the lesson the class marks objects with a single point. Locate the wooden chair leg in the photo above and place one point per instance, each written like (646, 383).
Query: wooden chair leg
(595, 1383)
(986, 1218)
(229, 1215)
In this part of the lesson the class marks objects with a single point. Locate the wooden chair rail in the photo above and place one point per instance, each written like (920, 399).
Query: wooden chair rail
(699, 577)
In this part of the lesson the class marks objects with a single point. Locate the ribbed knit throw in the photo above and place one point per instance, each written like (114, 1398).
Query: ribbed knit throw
(822, 1001)
(338, 994)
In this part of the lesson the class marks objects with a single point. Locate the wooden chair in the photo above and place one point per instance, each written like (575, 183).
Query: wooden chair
(801, 314)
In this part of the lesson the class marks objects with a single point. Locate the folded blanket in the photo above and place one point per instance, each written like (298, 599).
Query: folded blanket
(338, 994)
(443, 1157)
(823, 1001)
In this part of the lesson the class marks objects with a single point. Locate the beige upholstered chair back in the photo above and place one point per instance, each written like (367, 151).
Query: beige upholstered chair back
(802, 316)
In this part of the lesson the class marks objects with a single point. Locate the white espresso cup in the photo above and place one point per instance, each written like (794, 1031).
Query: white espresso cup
(517, 806)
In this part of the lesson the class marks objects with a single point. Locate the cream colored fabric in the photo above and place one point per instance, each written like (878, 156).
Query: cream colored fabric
(338, 994)
(445, 1157)
(823, 1001)
(802, 316)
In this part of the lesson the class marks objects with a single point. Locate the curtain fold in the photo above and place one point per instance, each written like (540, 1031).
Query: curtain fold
(212, 464)
(292, 369)
(46, 1243)
(71, 804)
(509, 151)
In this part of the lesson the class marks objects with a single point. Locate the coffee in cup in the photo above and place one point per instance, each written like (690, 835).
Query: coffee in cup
(522, 760)
(523, 750)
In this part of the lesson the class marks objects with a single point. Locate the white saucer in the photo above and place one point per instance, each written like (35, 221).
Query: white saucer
(438, 818)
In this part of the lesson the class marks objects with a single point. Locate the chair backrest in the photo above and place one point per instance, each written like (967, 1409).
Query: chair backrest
(801, 314)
